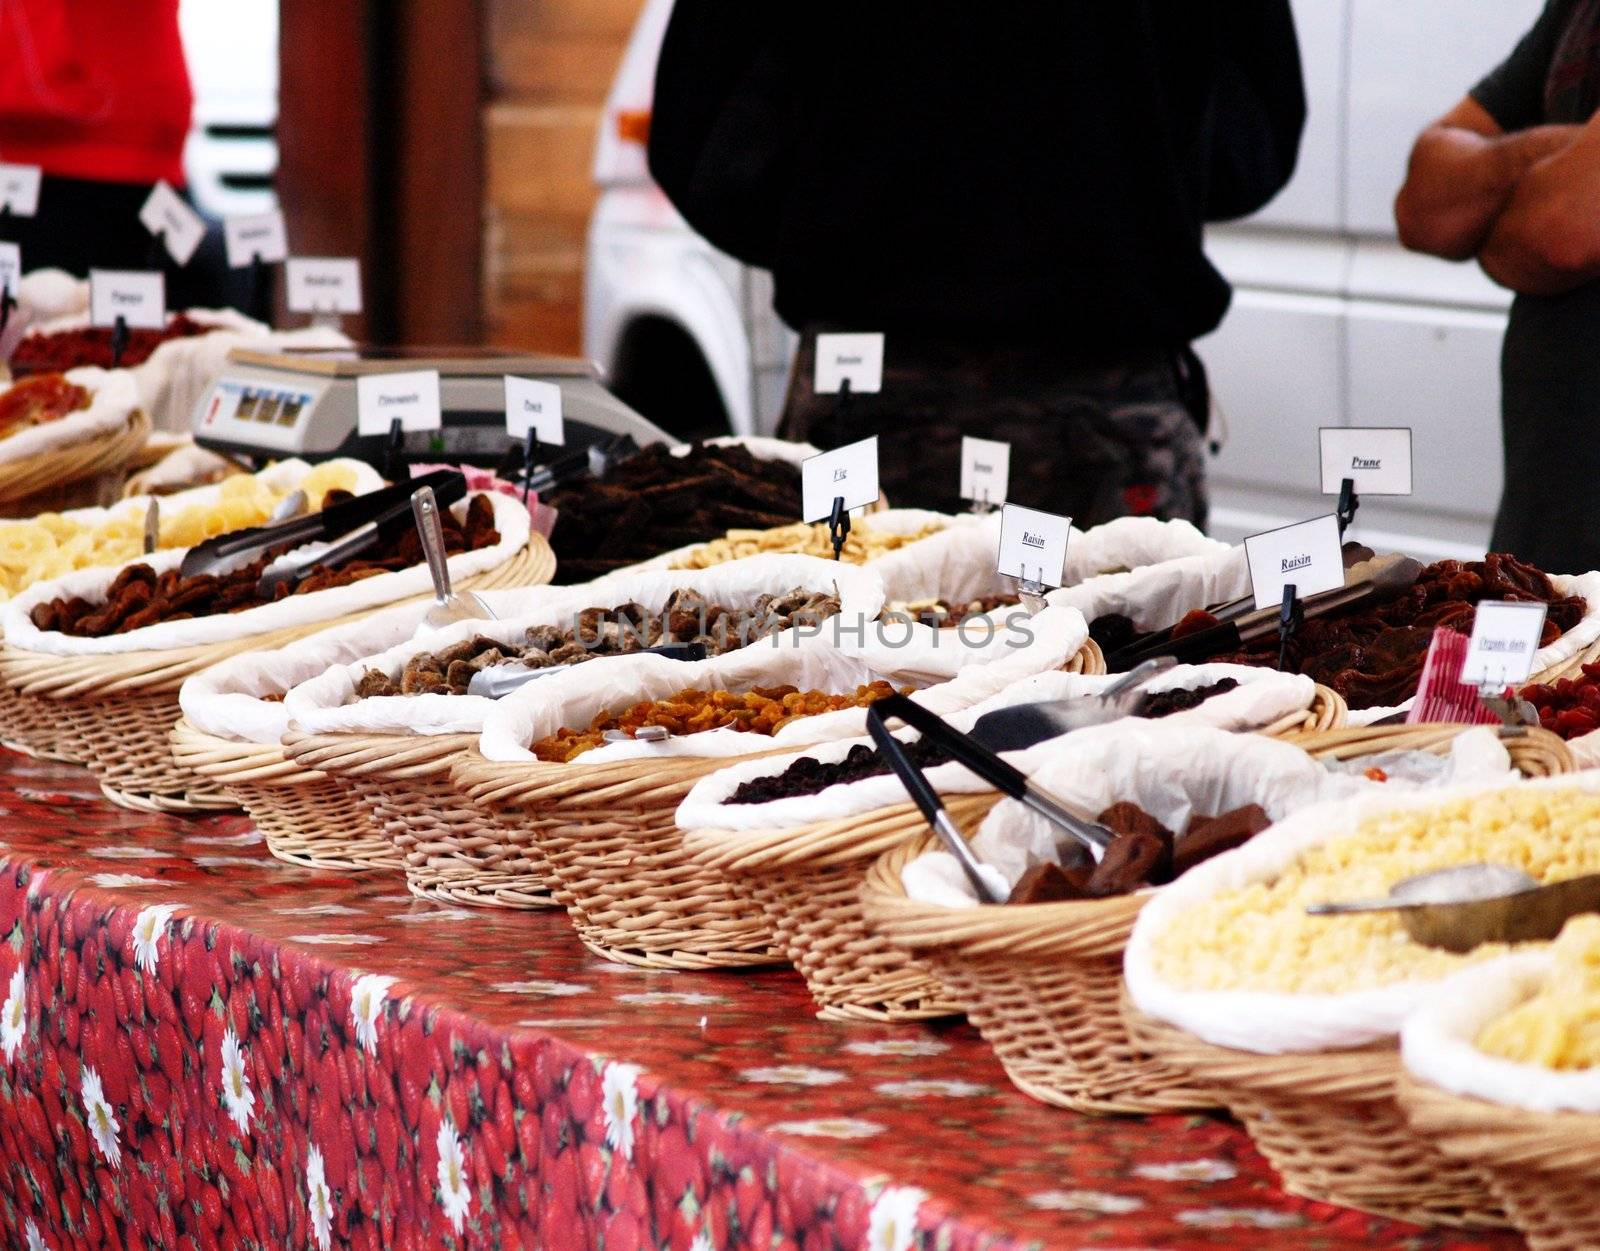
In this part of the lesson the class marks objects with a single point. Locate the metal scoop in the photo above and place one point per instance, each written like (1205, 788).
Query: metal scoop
(1023, 725)
(644, 734)
(288, 508)
(1468, 905)
(448, 607)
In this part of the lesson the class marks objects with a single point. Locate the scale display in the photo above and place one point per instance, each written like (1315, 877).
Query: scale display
(268, 405)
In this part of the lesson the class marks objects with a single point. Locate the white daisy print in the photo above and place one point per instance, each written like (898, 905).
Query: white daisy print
(14, 1016)
(831, 1127)
(319, 1199)
(924, 1087)
(702, 1242)
(550, 990)
(893, 1223)
(320, 910)
(248, 839)
(1188, 1170)
(792, 1075)
(1094, 1201)
(121, 881)
(454, 1196)
(101, 1119)
(230, 862)
(237, 1096)
(149, 927)
(428, 916)
(35, 1240)
(898, 1047)
(1239, 1218)
(619, 1093)
(127, 851)
(367, 998)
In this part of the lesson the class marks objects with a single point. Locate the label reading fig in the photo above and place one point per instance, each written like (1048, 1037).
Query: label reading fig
(137, 296)
(1308, 554)
(850, 471)
(536, 406)
(413, 397)
(853, 358)
(1033, 545)
(1376, 458)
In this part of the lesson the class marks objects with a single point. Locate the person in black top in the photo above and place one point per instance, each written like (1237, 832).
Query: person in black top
(1013, 194)
(1511, 177)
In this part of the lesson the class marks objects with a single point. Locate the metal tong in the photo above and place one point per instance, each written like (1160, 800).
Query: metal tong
(1007, 779)
(227, 552)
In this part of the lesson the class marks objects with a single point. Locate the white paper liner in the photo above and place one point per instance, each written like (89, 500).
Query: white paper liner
(327, 703)
(1437, 1042)
(1262, 698)
(113, 398)
(575, 698)
(511, 519)
(1275, 1023)
(42, 295)
(229, 700)
(1156, 597)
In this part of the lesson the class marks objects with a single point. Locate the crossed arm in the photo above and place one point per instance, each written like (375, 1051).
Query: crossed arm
(1526, 205)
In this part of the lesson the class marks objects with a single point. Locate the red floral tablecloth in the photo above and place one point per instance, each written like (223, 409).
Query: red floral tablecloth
(201, 1047)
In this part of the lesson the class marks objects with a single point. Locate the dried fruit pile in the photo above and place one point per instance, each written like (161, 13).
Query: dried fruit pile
(655, 502)
(1569, 707)
(687, 618)
(138, 596)
(761, 710)
(91, 345)
(1144, 853)
(942, 615)
(808, 776)
(37, 400)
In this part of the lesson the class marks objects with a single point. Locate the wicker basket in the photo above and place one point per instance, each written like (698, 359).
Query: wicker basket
(616, 859)
(1543, 1167)
(26, 726)
(1569, 668)
(1331, 1123)
(1042, 983)
(808, 882)
(307, 817)
(78, 476)
(115, 713)
(1534, 752)
(451, 850)
(1328, 711)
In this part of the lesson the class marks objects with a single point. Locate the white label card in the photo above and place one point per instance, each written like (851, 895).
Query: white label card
(19, 189)
(256, 236)
(324, 284)
(985, 470)
(413, 397)
(1504, 639)
(1376, 458)
(1033, 545)
(138, 296)
(167, 214)
(850, 471)
(857, 358)
(1308, 554)
(535, 406)
(10, 268)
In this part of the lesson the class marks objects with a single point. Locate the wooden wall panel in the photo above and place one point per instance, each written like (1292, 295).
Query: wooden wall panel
(551, 63)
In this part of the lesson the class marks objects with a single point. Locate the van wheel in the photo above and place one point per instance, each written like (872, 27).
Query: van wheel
(660, 373)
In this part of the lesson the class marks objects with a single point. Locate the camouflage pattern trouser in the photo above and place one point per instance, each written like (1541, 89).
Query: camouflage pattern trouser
(1090, 442)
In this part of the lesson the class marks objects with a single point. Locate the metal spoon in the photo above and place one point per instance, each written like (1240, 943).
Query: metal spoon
(644, 734)
(448, 607)
(1463, 907)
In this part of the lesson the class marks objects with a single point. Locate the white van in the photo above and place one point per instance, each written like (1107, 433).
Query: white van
(1332, 322)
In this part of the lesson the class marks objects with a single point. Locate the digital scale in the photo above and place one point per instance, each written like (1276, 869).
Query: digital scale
(269, 405)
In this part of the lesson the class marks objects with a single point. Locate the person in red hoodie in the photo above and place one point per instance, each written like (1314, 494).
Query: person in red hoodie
(96, 93)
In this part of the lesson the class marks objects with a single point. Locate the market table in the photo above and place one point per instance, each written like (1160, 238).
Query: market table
(209, 1051)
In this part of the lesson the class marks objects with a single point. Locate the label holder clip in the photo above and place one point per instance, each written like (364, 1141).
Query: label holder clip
(1349, 502)
(838, 525)
(1290, 615)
